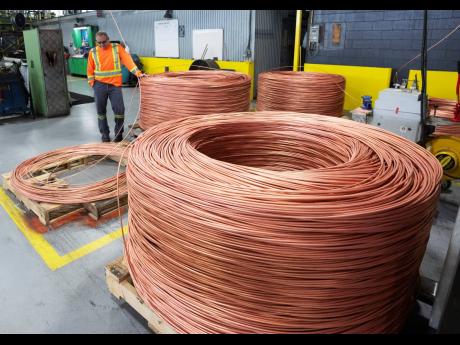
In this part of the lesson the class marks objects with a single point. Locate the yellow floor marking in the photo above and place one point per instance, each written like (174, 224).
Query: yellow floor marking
(46, 251)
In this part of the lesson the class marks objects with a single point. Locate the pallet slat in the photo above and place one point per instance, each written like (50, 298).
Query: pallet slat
(135, 130)
(121, 286)
(99, 208)
(45, 212)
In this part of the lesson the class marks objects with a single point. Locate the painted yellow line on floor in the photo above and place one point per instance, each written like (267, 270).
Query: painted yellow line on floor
(91, 247)
(46, 251)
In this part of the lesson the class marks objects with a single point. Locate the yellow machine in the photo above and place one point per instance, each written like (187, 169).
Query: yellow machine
(446, 149)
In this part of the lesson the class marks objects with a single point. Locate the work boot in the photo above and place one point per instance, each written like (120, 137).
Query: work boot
(105, 138)
(118, 138)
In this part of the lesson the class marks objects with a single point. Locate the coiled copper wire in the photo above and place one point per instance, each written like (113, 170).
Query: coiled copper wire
(305, 92)
(452, 130)
(171, 95)
(23, 182)
(440, 107)
(276, 222)
(444, 108)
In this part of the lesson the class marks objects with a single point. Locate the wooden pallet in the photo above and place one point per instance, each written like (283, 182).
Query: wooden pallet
(135, 130)
(121, 286)
(49, 212)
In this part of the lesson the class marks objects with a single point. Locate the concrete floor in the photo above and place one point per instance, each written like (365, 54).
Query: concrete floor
(74, 298)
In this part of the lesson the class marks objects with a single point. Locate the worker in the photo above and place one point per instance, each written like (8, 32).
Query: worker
(104, 76)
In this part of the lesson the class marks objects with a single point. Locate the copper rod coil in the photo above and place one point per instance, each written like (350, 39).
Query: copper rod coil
(440, 107)
(171, 95)
(451, 130)
(22, 181)
(276, 222)
(305, 92)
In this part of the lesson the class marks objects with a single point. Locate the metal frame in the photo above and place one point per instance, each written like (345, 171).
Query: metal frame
(445, 315)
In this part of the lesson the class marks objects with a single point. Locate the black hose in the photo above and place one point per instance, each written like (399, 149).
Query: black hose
(423, 70)
(248, 48)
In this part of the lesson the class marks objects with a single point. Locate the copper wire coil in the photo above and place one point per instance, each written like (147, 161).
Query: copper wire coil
(451, 130)
(305, 92)
(440, 107)
(22, 181)
(275, 222)
(171, 95)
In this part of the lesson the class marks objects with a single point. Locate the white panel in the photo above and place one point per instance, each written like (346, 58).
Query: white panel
(208, 42)
(167, 38)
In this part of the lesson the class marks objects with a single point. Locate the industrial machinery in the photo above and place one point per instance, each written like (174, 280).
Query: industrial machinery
(47, 78)
(207, 65)
(11, 39)
(202, 64)
(398, 110)
(83, 39)
(406, 112)
(14, 97)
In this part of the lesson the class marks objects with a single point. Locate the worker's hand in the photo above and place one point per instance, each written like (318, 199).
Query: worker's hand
(142, 75)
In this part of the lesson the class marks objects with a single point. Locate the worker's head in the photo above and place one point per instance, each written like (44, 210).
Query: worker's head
(102, 39)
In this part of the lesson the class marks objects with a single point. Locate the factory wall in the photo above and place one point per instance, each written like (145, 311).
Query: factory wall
(388, 38)
(271, 40)
(137, 29)
(269, 32)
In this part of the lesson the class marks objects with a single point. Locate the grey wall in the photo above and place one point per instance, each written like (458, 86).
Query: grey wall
(269, 40)
(136, 27)
(389, 38)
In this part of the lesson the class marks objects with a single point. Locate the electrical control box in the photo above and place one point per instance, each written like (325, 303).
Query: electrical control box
(398, 111)
(314, 34)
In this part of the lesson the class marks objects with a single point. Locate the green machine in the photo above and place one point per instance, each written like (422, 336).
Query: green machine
(84, 38)
(46, 67)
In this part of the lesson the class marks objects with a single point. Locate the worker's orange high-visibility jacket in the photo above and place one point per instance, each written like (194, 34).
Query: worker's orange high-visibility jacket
(104, 65)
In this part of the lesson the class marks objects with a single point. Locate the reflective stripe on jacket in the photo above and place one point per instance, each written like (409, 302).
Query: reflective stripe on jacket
(105, 64)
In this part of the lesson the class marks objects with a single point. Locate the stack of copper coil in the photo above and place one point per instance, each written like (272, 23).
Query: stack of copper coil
(306, 92)
(450, 130)
(171, 95)
(277, 222)
(444, 108)
(23, 182)
(447, 109)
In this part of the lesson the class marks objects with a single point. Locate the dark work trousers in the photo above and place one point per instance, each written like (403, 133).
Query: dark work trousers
(102, 92)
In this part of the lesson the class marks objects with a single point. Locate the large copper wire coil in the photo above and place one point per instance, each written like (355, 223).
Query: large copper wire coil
(305, 92)
(277, 222)
(171, 95)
